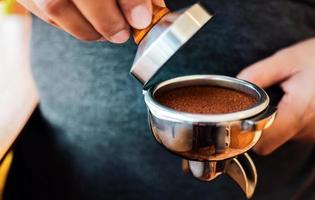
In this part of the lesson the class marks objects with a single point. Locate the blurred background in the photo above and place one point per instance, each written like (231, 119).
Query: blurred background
(18, 96)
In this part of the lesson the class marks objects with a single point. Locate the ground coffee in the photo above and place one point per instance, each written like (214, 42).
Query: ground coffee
(205, 99)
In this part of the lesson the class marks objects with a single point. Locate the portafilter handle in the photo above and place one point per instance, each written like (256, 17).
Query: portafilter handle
(241, 169)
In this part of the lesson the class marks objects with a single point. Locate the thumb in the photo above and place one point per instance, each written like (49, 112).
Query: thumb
(138, 13)
(270, 70)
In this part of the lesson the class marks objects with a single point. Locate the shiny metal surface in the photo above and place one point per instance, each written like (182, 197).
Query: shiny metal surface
(214, 141)
(241, 169)
(212, 145)
(208, 137)
(169, 114)
(206, 170)
(165, 38)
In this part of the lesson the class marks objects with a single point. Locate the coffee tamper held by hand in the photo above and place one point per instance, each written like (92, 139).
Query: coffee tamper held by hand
(167, 33)
(211, 145)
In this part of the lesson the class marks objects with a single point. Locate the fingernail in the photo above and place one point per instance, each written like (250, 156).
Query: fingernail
(141, 16)
(120, 37)
(101, 40)
(161, 3)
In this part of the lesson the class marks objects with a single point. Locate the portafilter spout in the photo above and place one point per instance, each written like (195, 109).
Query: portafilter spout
(241, 169)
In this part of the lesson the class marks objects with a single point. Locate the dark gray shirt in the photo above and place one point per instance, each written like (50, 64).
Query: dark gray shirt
(89, 138)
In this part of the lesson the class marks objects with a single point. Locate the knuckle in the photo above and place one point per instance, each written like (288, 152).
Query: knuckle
(53, 7)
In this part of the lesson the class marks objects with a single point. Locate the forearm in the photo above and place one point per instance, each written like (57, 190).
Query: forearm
(18, 94)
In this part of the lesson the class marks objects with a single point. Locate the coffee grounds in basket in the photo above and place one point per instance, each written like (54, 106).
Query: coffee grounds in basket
(205, 99)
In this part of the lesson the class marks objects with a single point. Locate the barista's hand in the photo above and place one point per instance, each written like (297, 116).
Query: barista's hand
(294, 69)
(95, 19)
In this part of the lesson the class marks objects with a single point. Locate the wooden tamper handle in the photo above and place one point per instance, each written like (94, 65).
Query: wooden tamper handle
(158, 13)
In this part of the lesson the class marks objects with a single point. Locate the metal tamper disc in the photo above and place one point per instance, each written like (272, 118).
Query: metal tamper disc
(161, 40)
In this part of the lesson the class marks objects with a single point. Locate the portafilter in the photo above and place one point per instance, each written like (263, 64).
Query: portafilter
(210, 144)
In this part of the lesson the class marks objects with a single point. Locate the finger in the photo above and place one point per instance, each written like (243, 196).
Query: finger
(68, 17)
(137, 12)
(292, 113)
(30, 5)
(284, 127)
(160, 3)
(106, 18)
(271, 70)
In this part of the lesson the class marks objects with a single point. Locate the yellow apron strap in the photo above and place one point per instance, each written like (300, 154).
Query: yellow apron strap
(4, 170)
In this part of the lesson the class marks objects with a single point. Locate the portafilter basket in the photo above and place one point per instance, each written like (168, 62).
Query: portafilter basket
(212, 144)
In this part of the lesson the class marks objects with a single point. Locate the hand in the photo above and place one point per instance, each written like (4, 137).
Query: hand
(294, 69)
(95, 19)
